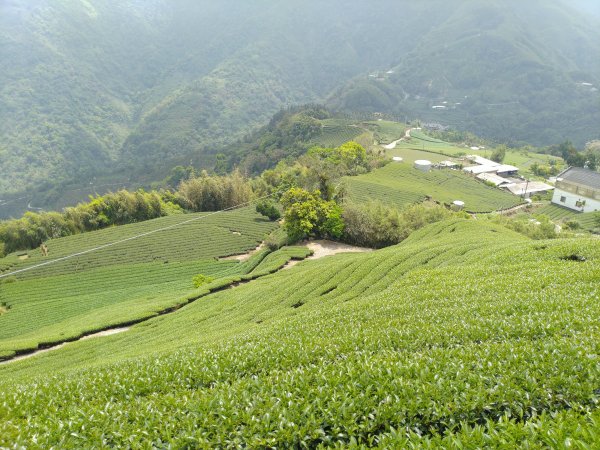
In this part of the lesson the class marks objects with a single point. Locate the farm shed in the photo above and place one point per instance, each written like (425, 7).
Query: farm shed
(578, 189)
(482, 161)
(527, 189)
(504, 169)
(495, 179)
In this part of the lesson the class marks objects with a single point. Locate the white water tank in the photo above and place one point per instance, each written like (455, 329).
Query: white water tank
(423, 165)
(458, 205)
(397, 158)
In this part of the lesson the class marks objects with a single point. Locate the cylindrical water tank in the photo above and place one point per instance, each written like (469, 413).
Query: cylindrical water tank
(423, 165)
(458, 205)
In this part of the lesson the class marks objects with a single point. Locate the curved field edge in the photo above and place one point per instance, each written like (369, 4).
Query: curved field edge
(399, 184)
(137, 310)
(461, 333)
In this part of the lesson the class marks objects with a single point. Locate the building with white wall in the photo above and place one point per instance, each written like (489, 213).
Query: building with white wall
(578, 189)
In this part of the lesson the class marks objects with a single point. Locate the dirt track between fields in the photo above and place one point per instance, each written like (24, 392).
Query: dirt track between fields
(323, 248)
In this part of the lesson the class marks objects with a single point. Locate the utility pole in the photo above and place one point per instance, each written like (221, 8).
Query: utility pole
(525, 192)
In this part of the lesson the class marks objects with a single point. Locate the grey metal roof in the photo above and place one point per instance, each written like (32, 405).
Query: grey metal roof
(583, 177)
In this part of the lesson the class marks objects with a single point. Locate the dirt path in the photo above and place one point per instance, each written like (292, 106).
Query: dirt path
(244, 256)
(322, 248)
(392, 145)
(56, 347)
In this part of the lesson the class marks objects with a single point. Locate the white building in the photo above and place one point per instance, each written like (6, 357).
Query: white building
(528, 188)
(578, 189)
(500, 169)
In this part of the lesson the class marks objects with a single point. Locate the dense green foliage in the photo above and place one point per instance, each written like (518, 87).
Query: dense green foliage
(307, 214)
(320, 169)
(84, 94)
(188, 80)
(498, 154)
(200, 280)
(461, 334)
(376, 225)
(589, 158)
(117, 208)
(539, 227)
(268, 209)
(214, 193)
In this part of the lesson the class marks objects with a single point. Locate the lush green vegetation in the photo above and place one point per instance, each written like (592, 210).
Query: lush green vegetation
(517, 94)
(400, 184)
(309, 215)
(111, 209)
(82, 97)
(123, 283)
(461, 334)
(194, 193)
(377, 225)
(587, 221)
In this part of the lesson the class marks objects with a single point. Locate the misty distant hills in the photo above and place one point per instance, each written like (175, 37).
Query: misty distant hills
(516, 73)
(87, 86)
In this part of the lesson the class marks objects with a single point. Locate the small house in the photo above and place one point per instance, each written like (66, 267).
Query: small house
(578, 189)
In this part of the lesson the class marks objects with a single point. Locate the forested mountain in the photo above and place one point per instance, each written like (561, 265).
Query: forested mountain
(92, 86)
(518, 72)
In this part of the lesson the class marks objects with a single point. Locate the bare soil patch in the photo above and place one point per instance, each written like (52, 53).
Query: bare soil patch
(56, 347)
(245, 256)
(105, 333)
(29, 355)
(322, 248)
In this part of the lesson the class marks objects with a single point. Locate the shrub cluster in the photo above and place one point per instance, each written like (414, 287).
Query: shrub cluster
(116, 208)
(268, 209)
(309, 215)
(376, 225)
(213, 193)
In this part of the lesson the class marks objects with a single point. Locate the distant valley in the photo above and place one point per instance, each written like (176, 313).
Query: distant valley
(116, 95)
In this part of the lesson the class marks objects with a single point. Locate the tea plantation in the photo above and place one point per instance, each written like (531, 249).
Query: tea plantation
(125, 283)
(400, 184)
(466, 335)
(587, 221)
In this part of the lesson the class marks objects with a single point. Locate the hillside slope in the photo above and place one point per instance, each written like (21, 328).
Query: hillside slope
(461, 333)
(487, 69)
(89, 86)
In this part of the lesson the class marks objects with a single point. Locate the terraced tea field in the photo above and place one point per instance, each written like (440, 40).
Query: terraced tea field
(336, 132)
(559, 214)
(419, 140)
(400, 184)
(461, 334)
(205, 236)
(123, 283)
(387, 131)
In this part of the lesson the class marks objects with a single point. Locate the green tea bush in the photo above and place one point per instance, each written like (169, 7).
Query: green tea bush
(201, 280)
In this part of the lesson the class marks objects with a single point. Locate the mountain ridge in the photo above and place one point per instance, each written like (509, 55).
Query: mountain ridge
(90, 86)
